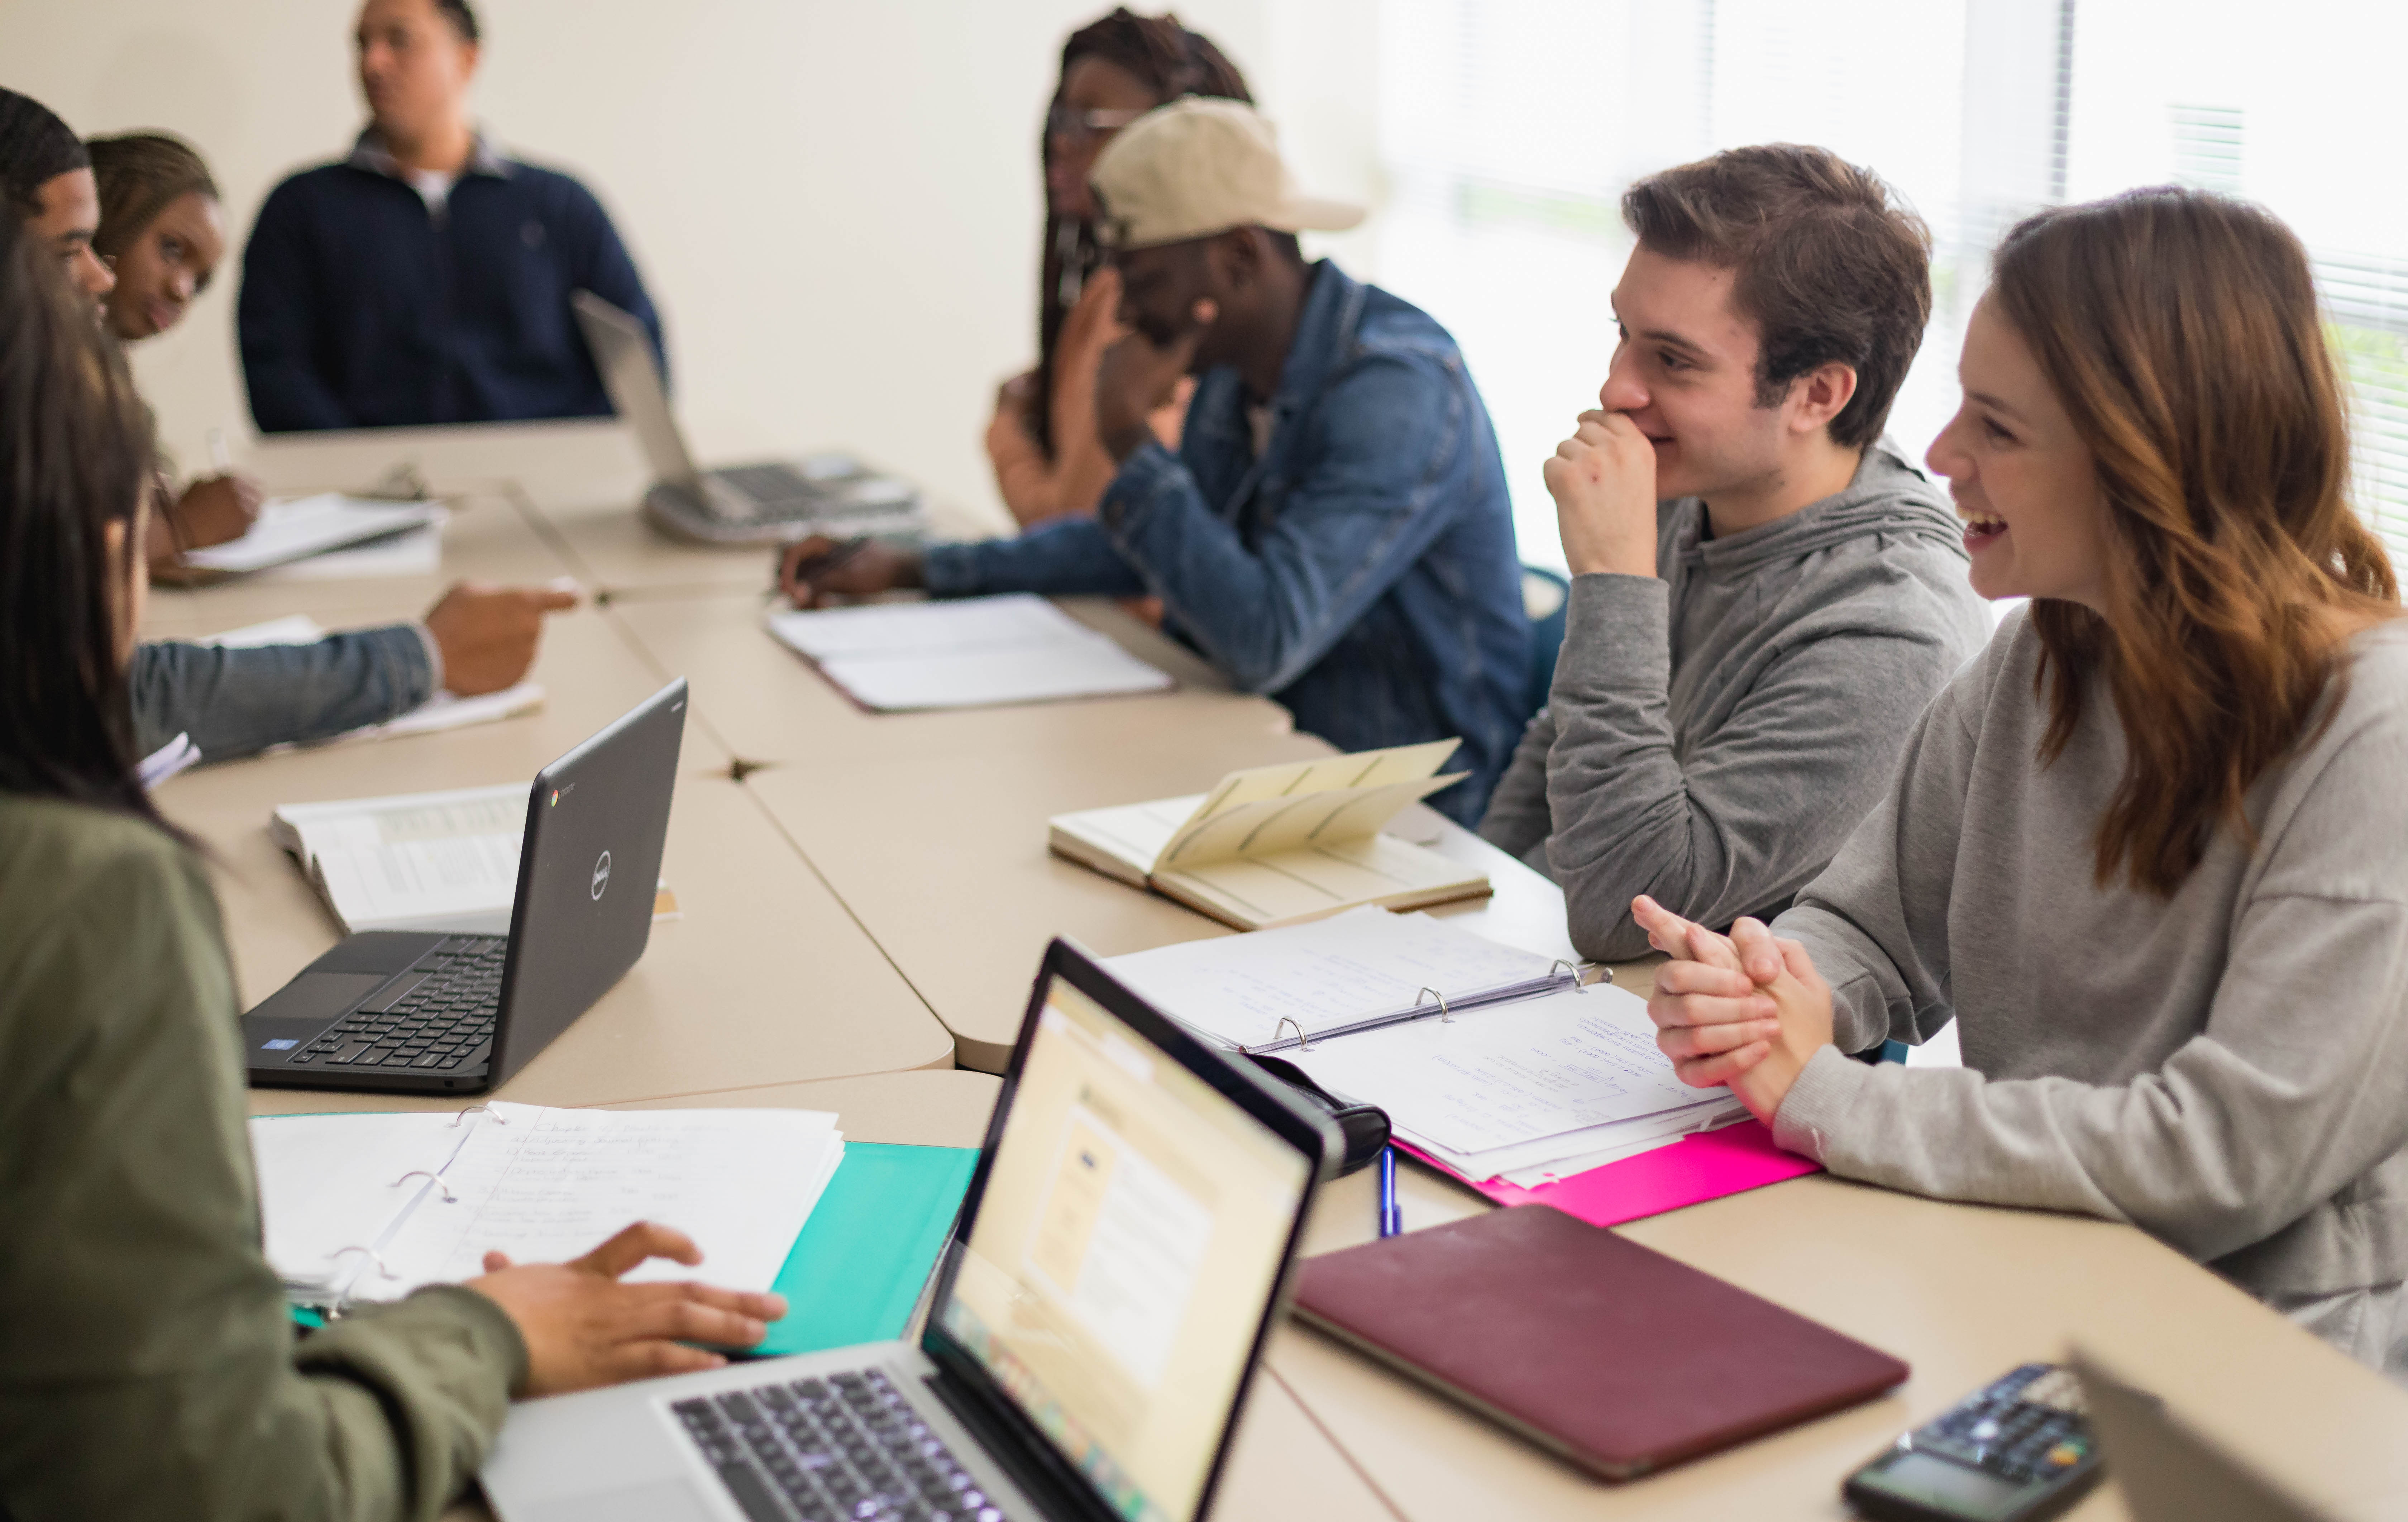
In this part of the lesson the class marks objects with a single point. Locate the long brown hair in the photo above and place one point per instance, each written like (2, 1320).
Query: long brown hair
(1173, 61)
(75, 457)
(2182, 333)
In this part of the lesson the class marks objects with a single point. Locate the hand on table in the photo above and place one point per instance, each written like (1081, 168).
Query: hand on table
(1138, 378)
(1603, 480)
(819, 567)
(584, 1327)
(488, 634)
(1747, 1010)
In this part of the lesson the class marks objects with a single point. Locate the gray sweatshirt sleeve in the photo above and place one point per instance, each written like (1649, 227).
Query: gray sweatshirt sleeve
(1752, 810)
(2290, 1092)
(1517, 819)
(237, 702)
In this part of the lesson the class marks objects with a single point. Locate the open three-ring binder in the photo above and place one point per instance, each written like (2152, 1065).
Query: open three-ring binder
(1496, 1063)
(370, 1207)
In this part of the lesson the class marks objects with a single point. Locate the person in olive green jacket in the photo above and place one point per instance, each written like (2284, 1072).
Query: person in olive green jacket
(148, 1366)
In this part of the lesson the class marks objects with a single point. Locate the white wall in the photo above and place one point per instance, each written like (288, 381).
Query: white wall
(835, 206)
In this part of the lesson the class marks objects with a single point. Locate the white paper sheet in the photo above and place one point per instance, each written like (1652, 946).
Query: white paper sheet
(1510, 1074)
(967, 652)
(167, 760)
(1363, 963)
(290, 529)
(348, 1209)
(413, 552)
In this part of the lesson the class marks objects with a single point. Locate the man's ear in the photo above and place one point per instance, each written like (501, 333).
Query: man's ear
(1235, 259)
(1821, 394)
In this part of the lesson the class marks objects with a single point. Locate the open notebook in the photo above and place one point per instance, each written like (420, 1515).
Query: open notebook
(295, 528)
(370, 1207)
(962, 653)
(1494, 1062)
(418, 861)
(1280, 845)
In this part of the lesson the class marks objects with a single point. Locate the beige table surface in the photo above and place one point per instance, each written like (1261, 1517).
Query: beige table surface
(1962, 1292)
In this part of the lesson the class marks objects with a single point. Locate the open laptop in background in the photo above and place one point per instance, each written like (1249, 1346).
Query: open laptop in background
(1121, 1257)
(745, 504)
(426, 1013)
(2168, 1470)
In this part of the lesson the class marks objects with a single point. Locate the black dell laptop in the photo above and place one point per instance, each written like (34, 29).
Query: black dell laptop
(426, 1012)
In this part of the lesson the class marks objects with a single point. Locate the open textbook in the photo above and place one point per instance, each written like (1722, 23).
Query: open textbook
(444, 710)
(1495, 1062)
(418, 861)
(370, 1207)
(963, 653)
(1279, 845)
(295, 528)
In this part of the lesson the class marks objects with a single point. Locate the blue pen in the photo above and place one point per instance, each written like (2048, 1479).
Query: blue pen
(1391, 1220)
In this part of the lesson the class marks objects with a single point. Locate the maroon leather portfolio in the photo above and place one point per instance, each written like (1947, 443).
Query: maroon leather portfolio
(1616, 1357)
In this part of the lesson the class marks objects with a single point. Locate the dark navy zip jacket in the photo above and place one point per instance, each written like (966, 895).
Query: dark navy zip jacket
(361, 309)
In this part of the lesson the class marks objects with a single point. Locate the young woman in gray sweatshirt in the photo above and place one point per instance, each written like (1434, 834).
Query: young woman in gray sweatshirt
(2150, 852)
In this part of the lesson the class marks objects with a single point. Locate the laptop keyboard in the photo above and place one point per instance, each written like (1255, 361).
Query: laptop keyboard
(441, 1023)
(848, 1448)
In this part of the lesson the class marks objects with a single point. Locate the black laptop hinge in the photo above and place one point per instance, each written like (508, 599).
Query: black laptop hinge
(1059, 1490)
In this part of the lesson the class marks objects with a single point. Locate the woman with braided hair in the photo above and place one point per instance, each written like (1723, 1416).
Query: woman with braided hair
(1042, 442)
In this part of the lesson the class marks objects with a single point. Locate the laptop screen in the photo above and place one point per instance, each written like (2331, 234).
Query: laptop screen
(1126, 1246)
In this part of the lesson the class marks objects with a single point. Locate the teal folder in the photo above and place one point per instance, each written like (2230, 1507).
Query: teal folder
(863, 1257)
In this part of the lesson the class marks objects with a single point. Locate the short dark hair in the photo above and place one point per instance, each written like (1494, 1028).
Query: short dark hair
(139, 173)
(35, 148)
(462, 19)
(75, 457)
(1830, 267)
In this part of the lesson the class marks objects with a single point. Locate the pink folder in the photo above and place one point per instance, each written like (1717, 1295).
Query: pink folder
(1690, 1171)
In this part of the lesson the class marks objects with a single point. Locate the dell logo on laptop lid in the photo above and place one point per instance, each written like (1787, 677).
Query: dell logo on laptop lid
(601, 876)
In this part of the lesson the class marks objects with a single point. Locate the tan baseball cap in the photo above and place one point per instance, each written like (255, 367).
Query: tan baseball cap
(1199, 166)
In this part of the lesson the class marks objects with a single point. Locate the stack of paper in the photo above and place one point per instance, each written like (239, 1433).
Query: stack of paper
(1277, 989)
(414, 861)
(444, 710)
(296, 528)
(370, 1207)
(969, 652)
(1280, 845)
(1527, 1091)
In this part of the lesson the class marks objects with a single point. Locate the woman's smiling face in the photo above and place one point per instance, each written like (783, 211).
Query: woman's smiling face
(2024, 481)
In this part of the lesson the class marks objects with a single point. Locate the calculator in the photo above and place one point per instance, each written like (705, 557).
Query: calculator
(2018, 1451)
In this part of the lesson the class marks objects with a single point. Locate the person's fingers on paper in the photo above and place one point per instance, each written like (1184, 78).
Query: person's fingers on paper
(634, 1243)
(683, 1316)
(1759, 956)
(739, 1302)
(1718, 1071)
(656, 1360)
(496, 1260)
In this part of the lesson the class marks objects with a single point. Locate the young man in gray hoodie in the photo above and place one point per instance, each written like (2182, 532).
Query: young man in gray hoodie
(1765, 594)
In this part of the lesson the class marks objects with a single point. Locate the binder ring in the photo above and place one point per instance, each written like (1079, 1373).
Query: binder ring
(491, 1114)
(373, 1257)
(1572, 969)
(1302, 1043)
(1445, 1015)
(449, 1197)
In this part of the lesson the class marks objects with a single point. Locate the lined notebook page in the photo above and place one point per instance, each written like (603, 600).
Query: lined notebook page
(963, 653)
(1330, 972)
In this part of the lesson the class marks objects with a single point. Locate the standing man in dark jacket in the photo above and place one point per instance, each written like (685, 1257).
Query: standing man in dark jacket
(425, 278)
(1333, 530)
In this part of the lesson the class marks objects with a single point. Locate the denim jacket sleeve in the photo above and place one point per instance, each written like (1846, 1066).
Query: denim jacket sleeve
(237, 702)
(1375, 491)
(1069, 557)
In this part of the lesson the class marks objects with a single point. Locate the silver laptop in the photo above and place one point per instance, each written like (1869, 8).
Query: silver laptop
(1122, 1254)
(746, 504)
(2168, 1470)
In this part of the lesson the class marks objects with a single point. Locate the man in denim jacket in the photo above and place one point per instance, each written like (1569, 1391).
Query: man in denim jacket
(1333, 529)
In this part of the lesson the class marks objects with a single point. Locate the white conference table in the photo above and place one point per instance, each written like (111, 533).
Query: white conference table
(928, 833)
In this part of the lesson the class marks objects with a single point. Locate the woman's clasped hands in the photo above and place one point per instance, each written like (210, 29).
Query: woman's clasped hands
(1747, 1010)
